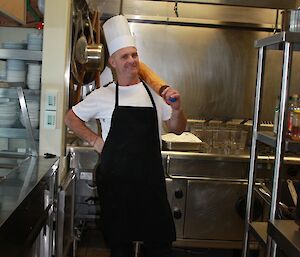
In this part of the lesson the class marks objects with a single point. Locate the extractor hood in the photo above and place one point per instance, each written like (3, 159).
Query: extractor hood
(251, 14)
(273, 4)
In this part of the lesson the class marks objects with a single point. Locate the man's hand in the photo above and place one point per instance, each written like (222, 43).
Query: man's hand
(172, 98)
(98, 144)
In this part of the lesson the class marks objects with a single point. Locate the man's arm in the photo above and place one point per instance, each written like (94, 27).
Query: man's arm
(177, 122)
(81, 130)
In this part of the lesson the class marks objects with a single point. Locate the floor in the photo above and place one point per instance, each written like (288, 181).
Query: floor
(91, 245)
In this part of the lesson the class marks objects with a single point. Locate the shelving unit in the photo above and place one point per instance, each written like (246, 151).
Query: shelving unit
(272, 233)
(17, 90)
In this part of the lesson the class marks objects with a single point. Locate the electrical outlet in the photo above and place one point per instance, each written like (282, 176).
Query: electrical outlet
(50, 120)
(51, 100)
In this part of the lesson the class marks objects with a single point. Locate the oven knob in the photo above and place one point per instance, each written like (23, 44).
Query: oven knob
(177, 213)
(178, 193)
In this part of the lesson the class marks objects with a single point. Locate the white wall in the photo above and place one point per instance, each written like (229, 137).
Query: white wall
(55, 74)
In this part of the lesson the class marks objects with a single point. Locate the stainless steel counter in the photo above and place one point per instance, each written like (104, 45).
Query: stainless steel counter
(20, 181)
(27, 197)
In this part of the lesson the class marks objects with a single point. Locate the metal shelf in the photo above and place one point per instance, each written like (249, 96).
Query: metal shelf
(268, 138)
(259, 230)
(288, 42)
(27, 55)
(286, 36)
(9, 89)
(287, 235)
(19, 133)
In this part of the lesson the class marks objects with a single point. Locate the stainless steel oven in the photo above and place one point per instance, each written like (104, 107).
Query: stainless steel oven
(207, 196)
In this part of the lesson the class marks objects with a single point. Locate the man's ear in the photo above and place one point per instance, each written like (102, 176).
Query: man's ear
(112, 62)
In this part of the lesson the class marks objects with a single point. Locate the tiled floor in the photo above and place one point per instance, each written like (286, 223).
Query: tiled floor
(91, 245)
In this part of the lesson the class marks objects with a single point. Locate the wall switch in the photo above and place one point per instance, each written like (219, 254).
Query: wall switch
(50, 120)
(51, 100)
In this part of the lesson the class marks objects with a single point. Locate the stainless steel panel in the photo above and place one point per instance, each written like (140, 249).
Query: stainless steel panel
(212, 68)
(83, 158)
(65, 216)
(286, 4)
(210, 211)
(85, 188)
(176, 189)
(210, 168)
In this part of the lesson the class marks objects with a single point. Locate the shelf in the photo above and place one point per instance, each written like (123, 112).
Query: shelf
(286, 36)
(286, 234)
(6, 90)
(259, 230)
(268, 138)
(21, 54)
(19, 133)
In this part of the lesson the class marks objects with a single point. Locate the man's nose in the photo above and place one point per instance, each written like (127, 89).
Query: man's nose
(131, 59)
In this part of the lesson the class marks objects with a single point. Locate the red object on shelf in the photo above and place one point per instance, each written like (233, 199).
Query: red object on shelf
(40, 25)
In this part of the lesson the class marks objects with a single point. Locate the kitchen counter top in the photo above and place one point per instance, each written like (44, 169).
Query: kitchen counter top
(17, 184)
(241, 157)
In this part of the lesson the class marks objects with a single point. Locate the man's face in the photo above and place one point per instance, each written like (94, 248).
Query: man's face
(125, 60)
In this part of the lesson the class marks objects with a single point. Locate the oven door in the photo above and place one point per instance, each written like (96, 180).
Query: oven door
(212, 209)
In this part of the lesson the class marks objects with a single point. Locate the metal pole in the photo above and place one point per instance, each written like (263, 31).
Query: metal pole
(280, 140)
(253, 154)
(26, 118)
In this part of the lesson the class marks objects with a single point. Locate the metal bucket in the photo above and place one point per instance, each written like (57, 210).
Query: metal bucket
(290, 20)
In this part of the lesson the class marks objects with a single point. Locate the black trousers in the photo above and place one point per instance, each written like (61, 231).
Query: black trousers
(148, 249)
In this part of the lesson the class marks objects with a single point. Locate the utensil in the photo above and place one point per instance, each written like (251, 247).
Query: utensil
(81, 44)
(94, 53)
(290, 20)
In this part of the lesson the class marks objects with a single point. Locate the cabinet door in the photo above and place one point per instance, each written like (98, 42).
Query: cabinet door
(15, 9)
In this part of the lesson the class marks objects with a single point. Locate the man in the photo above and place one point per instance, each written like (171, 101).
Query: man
(130, 178)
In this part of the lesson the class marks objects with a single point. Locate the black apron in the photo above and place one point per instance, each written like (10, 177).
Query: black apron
(130, 178)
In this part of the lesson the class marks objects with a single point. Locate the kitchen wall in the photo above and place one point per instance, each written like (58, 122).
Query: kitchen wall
(213, 68)
(207, 52)
(55, 74)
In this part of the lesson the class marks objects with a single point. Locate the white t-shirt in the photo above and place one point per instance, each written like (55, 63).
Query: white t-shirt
(101, 103)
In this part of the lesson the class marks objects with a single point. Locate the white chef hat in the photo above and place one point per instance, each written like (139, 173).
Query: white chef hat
(117, 34)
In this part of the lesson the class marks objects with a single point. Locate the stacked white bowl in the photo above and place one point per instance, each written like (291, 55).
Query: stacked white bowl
(35, 41)
(34, 76)
(15, 70)
(8, 112)
(33, 108)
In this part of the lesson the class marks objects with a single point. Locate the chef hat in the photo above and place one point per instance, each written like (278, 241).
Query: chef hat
(117, 34)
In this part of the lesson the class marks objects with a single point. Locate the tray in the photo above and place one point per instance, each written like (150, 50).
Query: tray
(184, 142)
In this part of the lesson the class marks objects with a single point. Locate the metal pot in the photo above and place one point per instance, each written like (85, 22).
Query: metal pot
(91, 56)
(94, 57)
(290, 20)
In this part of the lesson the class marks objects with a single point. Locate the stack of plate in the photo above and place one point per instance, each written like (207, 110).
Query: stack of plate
(34, 113)
(8, 112)
(15, 71)
(34, 76)
(35, 41)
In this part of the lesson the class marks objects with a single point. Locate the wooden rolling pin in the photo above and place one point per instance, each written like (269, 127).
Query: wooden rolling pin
(152, 79)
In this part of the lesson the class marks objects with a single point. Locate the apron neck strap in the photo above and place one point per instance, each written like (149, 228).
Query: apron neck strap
(145, 86)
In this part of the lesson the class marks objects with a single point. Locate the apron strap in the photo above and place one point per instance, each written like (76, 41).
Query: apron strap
(147, 89)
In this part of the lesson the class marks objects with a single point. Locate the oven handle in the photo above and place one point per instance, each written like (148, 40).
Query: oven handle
(203, 178)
